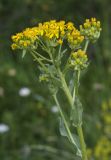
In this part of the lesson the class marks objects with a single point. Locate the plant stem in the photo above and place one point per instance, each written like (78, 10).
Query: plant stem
(44, 58)
(38, 60)
(82, 143)
(71, 101)
(65, 122)
(86, 45)
(79, 128)
(65, 88)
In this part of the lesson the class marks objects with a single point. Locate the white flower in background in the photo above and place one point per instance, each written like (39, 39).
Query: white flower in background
(4, 128)
(98, 86)
(54, 109)
(12, 72)
(24, 92)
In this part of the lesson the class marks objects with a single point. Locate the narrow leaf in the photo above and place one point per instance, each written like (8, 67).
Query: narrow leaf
(75, 142)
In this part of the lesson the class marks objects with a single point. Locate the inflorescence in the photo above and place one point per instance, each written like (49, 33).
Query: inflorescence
(91, 29)
(53, 34)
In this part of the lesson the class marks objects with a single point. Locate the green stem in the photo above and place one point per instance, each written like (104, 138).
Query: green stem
(65, 88)
(44, 58)
(82, 143)
(71, 100)
(79, 128)
(65, 122)
(86, 45)
(76, 83)
(38, 60)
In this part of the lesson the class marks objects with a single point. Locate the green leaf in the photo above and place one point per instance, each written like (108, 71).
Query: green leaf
(76, 113)
(75, 142)
(23, 53)
(62, 129)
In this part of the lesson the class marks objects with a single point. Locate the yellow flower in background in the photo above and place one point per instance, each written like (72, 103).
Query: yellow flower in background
(107, 118)
(104, 106)
(91, 29)
(102, 150)
(89, 153)
(106, 112)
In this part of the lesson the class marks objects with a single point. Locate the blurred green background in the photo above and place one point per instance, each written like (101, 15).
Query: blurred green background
(28, 116)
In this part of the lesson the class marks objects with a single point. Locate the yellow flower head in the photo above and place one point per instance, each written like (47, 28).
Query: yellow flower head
(79, 60)
(53, 33)
(74, 36)
(24, 39)
(91, 29)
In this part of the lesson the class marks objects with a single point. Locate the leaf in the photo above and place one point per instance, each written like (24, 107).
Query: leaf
(23, 53)
(75, 142)
(62, 128)
(76, 139)
(76, 113)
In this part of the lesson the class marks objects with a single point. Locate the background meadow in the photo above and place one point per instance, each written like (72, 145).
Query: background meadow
(29, 118)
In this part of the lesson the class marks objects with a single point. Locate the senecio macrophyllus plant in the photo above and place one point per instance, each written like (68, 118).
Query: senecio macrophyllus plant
(64, 50)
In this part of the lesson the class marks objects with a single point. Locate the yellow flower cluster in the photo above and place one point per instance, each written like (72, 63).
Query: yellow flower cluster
(74, 36)
(91, 29)
(51, 32)
(79, 60)
(24, 39)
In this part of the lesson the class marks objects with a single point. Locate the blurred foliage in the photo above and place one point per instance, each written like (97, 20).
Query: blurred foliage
(33, 125)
